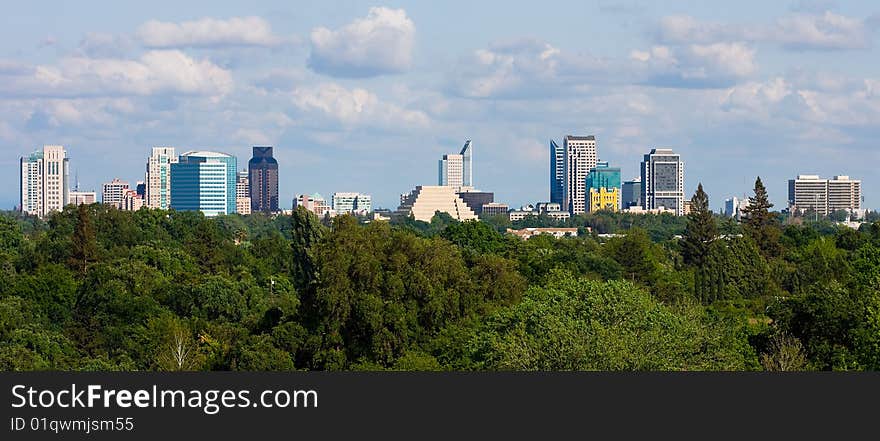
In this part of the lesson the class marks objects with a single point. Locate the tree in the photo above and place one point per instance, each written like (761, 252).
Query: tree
(180, 351)
(785, 354)
(84, 242)
(760, 223)
(701, 230)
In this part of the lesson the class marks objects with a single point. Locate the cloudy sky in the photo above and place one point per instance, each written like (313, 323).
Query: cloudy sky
(366, 96)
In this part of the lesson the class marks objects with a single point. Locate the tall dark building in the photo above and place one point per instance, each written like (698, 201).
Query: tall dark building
(263, 176)
(557, 172)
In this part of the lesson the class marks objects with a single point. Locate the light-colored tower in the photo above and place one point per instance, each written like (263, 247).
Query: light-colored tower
(580, 157)
(113, 192)
(158, 178)
(243, 193)
(45, 183)
(662, 174)
(457, 170)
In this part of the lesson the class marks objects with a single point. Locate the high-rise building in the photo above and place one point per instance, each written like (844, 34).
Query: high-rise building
(353, 203)
(45, 183)
(141, 189)
(131, 201)
(314, 203)
(243, 193)
(113, 192)
(82, 197)
(426, 200)
(158, 178)
(662, 174)
(603, 186)
(263, 175)
(580, 157)
(557, 172)
(457, 170)
(204, 181)
(824, 196)
(731, 207)
(631, 193)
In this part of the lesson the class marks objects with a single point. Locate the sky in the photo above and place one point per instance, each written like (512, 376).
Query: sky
(367, 96)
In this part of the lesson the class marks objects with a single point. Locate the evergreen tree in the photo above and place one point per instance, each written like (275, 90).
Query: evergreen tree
(84, 241)
(701, 230)
(760, 223)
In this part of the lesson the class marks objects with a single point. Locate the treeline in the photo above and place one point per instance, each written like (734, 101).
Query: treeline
(95, 288)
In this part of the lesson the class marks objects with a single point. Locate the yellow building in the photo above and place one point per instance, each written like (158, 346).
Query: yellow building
(604, 199)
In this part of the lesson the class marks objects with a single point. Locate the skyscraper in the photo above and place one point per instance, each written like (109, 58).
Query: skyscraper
(603, 188)
(557, 172)
(662, 174)
(113, 192)
(204, 181)
(456, 170)
(263, 177)
(243, 193)
(631, 193)
(158, 178)
(45, 183)
(580, 157)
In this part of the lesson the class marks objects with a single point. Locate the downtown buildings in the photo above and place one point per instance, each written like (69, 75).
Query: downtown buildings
(158, 178)
(204, 181)
(45, 181)
(579, 157)
(457, 170)
(824, 196)
(263, 179)
(112, 192)
(603, 188)
(662, 176)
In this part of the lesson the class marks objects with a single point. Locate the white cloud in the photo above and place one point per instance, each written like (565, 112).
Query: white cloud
(800, 31)
(697, 65)
(380, 43)
(208, 32)
(155, 72)
(356, 107)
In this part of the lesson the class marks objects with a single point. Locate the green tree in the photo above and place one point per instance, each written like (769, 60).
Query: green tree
(760, 223)
(84, 243)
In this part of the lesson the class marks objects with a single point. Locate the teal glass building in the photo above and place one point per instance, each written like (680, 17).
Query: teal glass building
(603, 176)
(204, 181)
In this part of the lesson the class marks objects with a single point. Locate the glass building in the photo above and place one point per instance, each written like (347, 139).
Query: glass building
(557, 172)
(662, 175)
(603, 187)
(204, 181)
(263, 177)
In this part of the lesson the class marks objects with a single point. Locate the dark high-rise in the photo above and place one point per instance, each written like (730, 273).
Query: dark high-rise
(263, 176)
(557, 172)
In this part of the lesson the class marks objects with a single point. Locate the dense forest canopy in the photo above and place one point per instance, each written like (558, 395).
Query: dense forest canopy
(95, 288)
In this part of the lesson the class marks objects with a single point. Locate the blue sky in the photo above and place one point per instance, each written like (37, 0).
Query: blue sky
(366, 96)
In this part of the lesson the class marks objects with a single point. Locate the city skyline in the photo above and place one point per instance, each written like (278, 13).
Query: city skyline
(785, 92)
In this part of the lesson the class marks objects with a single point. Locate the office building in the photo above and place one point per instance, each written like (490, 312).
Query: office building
(457, 170)
(77, 197)
(314, 203)
(494, 209)
(631, 193)
(824, 196)
(158, 178)
(243, 193)
(731, 207)
(603, 187)
(476, 199)
(113, 191)
(425, 200)
(557, 172)
(553, 210)
(558, 233)
(131, 201)
(263, 176)
(204, 181)
(580, 157)
(45, 183)
(141, 189)
(352, 203)
(662, 175)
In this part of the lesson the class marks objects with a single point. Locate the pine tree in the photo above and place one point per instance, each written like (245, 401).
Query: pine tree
(760, 223)
(701, 230)
(85, 243)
